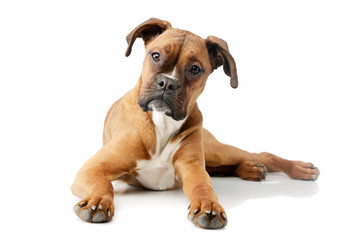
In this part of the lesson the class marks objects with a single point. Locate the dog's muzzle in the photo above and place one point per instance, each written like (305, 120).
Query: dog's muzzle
(160, 106)
(165, 96)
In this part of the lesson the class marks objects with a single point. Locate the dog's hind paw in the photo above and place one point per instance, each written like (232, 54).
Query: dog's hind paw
(303, 171)
(252, 171)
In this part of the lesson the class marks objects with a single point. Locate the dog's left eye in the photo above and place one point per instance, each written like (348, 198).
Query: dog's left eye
(194, 70)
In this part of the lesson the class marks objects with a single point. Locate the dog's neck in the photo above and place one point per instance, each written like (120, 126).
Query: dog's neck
(166, 128)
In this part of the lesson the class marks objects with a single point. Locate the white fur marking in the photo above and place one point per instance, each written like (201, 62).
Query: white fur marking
(173, 75)
(158, 172)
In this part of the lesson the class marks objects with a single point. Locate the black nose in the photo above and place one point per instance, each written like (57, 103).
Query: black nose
(166, 84)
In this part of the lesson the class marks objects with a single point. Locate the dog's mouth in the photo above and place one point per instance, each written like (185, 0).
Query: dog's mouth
(156, 96)
(160, 105)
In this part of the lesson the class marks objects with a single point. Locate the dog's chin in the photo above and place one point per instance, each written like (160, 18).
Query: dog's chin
(160, 106)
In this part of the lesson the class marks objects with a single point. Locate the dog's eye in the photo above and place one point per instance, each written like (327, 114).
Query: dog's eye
(155, 56)
(194, 70)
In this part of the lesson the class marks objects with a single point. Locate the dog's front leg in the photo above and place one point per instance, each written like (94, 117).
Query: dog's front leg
(189, 162)
(93, 181)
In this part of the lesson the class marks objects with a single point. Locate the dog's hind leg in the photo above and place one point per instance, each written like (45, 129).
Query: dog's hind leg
(223, 159)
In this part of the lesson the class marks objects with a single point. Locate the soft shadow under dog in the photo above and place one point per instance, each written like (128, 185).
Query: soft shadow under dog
(234, 192)
(231, 191)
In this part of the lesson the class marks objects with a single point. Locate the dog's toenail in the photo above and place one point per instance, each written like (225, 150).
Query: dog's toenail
(93, 208)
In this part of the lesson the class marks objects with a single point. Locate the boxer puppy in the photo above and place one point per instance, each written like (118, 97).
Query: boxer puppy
(153, 136)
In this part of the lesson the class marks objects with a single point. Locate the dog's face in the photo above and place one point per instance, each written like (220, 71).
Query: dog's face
(174, 74)
(176, 66)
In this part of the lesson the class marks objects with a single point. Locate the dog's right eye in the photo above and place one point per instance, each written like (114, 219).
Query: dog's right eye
(155, 56)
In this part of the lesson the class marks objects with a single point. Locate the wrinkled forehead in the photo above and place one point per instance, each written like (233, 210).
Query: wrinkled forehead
(170, 37)
(179, 42)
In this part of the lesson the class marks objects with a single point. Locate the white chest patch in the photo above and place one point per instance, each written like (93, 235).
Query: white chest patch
(158, 172)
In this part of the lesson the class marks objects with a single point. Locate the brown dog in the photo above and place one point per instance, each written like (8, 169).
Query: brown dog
(153, 136)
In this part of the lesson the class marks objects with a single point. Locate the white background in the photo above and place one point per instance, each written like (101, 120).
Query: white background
(62, 65)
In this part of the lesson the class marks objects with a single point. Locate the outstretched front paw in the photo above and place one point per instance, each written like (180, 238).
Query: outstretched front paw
(95, 209)
(205, 213)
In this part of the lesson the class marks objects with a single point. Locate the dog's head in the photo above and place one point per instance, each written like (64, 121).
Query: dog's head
(176, 66)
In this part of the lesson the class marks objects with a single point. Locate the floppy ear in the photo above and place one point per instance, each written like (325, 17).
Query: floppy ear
(220, 55)
(147, 31)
